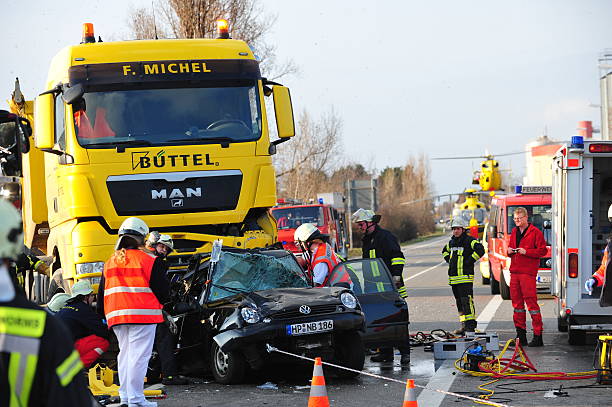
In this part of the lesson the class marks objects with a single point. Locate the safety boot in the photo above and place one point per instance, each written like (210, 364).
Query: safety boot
(405, 359)
(521, 335)
(460, 331)
(176, 380)
(536, 341)
(383, 356)
(470, 326)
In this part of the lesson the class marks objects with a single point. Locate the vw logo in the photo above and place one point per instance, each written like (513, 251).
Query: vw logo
(305, 309)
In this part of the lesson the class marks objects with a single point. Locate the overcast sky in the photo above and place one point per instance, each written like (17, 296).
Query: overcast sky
(444, 78)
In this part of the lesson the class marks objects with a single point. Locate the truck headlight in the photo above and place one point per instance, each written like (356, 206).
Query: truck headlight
(250, 315)
(348, 300)
(87, 268)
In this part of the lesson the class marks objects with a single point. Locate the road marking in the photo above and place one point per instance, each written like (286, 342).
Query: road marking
(443, 378)
(430, 243)
(424, 271)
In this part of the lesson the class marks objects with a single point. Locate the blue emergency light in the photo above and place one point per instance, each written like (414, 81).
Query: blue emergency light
(321, 201)
(518, 189)
(577, 142)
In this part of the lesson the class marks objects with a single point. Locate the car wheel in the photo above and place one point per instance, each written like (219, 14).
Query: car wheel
(504, 290)
(227, 367)
(486, 281)
(349, 353)
(561, 324)
(576, 337)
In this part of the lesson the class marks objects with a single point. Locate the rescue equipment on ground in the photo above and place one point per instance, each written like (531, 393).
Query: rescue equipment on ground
(101, 382)
(604, 360)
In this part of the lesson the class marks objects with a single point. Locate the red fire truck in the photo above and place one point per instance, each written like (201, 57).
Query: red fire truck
(537, 201)
(290, 214)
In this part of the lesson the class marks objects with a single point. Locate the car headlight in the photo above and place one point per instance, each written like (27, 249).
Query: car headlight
(250, 315)
(87, 268)
(348, 300)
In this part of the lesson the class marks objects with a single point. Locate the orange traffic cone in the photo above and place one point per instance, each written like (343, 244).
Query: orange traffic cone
(410, 396)
(318, 391)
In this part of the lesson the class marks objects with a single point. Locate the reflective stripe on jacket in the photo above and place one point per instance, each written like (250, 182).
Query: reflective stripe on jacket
(461, 253)
(128, 298)
(383, 245)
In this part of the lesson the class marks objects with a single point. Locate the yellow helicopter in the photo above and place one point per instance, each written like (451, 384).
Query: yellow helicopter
(488, 177)
(472, 211)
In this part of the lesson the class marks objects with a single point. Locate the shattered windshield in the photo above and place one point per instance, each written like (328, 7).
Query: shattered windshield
(248, 272)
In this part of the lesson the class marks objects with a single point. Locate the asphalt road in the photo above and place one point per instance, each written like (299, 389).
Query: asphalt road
(432, 306)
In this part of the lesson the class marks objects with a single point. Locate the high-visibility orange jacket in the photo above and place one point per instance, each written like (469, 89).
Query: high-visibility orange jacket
(600, 274)
(128, 298)
(325, 254)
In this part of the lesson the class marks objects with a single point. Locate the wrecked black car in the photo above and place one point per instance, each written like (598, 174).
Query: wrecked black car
(227, 311)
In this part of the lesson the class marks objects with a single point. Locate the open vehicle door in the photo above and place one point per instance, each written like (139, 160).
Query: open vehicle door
(386, 313)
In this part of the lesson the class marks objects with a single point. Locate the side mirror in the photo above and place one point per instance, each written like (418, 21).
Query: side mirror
(73, 93)
(547, 224)
(44, 128)
(283, 111)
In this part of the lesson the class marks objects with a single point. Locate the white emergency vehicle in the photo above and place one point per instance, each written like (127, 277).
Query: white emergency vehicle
(582, 193)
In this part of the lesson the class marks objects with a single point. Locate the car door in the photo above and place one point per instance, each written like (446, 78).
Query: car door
(386, 313)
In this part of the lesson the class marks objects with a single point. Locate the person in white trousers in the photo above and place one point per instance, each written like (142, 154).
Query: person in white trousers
(133, 288)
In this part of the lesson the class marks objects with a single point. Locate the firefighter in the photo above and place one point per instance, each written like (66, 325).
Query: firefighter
(461, 253)
(90, 335)
(38, 363)
(599, 277)
(380, 243)
(320, 257)
(133, 287)
(57, 302)
(525, 248)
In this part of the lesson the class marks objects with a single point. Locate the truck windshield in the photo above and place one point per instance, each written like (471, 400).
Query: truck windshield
(245, 273)
(227, 112)
(291, 218)
(537, 215)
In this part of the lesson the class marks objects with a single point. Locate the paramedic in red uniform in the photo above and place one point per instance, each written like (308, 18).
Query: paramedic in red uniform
(527, 245)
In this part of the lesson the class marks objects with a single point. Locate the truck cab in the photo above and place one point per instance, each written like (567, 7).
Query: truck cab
(174, 132)
(582, 193)
(537, 201)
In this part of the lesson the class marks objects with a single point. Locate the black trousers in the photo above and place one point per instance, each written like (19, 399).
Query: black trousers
(464, 297)
(165, 345)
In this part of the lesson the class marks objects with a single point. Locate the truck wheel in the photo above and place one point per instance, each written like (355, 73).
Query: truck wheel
(504, 290)
(349, 353)
(561, 324)
(227, 367)
(576, 337)
(494, 284)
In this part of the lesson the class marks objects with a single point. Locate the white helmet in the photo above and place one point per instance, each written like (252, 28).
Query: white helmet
(610, 213)
(306, 232)
(57, 301)
(458, 222)
(153, 238)
(363, 215)
(167, 241)
(81, 287)
(11, 231)
(133, 228)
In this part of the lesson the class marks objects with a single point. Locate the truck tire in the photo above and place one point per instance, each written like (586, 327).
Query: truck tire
(576, 337)
(349, 353)
(494, 284)
(227, 367)
(561, 324)
(504, 289)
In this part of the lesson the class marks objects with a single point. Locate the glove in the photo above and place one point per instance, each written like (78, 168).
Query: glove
(170, 322)
(589, 284)
(398, 281)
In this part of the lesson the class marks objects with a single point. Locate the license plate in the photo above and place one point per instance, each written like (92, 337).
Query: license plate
(307, 328)
(543, 279)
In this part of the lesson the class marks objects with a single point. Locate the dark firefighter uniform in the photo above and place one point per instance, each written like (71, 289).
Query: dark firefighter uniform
(383, 245)
(38, 363)
(461, 253)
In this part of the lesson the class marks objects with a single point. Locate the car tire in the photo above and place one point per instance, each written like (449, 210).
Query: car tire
(504, 289)
(576, 337)
(349, 353)
(486, 281)
(227, 367)
(561, 325)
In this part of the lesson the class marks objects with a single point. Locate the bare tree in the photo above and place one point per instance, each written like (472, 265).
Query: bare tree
(305, 167)
(197, 19)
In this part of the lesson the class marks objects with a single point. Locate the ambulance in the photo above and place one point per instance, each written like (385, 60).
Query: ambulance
(582, 193)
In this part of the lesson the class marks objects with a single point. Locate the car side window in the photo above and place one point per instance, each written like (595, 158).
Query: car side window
(369, 276)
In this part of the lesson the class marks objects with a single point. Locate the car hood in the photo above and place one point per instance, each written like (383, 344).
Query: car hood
(281, 299)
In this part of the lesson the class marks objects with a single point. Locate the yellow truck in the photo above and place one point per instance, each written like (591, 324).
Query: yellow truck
(174, 132)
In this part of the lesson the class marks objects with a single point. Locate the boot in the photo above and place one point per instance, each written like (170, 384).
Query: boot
(521, 335)
(460, 331)
(385, 355)
(470, 326)
(536, 341)
(176, 380)
(405, 359)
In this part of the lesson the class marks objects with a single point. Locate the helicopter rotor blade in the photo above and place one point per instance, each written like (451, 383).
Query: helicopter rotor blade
(460, 158)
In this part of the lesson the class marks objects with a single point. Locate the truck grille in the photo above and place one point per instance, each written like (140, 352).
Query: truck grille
(314, 310)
